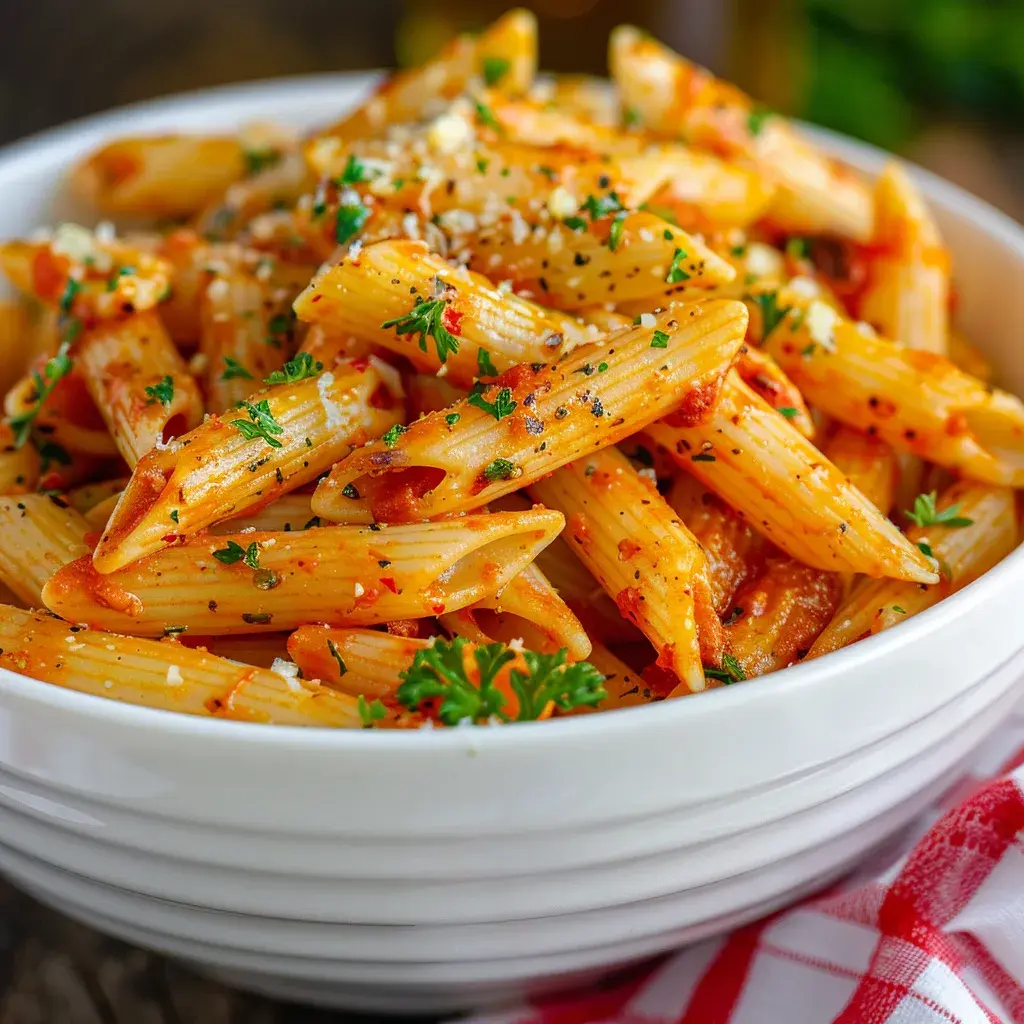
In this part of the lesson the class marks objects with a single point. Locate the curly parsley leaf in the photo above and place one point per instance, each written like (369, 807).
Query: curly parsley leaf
(370, 711)
(427, 320)
(502, 406)
(302, 367)
(925, 513)
(500, 469)
(261, 423)
(771, 312)
(484, 366)
(549, 678)
(162, 391)
(349, 220)
(355, 172)
(234, 369)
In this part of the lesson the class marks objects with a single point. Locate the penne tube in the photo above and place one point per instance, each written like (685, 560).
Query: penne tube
(756, 461)
(38, 535)
(159, 176)
(285, 513)
(552, 126)
(139, 382)
(735, 552)
(338, 575)
(574, 267)
(907, 294)
(429, 393)
(625, 533)
(360, 662)
(963, 553)
(529, 610)
(968, 358)
(19, 466)
(537, 418)
(221, 469)
(404, 298)
(99, 515)
(677, 99)
(244, 335)
(916, 401)
(780, 614)
(163, 675)
(261, 649)
(867, 462)
(510, 44)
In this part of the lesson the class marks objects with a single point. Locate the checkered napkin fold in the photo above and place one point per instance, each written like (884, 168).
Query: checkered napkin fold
(931, 931)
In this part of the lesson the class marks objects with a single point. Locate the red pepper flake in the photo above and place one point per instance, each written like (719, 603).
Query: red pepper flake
(389, 582)
(628, 600)
(627, 549)
(451, 320)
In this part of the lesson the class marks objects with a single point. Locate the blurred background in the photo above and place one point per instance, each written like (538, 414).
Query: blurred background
(941, 81)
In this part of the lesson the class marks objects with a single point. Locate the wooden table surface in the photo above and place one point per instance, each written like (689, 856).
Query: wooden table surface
(55, 971)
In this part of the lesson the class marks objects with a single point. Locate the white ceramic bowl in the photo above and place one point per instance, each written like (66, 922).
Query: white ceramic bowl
(436, 870)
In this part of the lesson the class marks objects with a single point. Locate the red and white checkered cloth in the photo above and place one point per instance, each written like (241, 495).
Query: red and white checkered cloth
(931, 933)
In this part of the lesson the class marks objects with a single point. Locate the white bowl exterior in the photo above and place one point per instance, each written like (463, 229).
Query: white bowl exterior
(430, 870)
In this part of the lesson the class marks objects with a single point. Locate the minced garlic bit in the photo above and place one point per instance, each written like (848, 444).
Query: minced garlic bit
(647, 320)
(358, 590)
(821, 323)
(174, 676)
(562, 203)
(80, 245)
(805, 287)
(331, 408)
(762, 260)
(449, 132)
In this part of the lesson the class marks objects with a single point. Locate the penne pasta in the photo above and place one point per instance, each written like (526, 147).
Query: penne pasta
(907, 293)
(528, 610)
(226, 467)
(402, 297)
(360, 662)
(89, 496)
(139, 382)
(755, 460)
(159, 176)
(338, 575)
(916, 401)
(163, 675)
(625, 688)
(19, 466)
(261, 649)
(285, 513)
(984, 532)
(647, 561)
(867, 462)
(677, 99)
(459, 460)
(762, 375)
(39, 534)
(509, 46)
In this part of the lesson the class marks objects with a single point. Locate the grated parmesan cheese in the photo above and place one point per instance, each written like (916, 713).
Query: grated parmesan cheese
(174, 676)
(821, 321)
(562, 203)
(358, 590)
(647, 320)
(331, 408)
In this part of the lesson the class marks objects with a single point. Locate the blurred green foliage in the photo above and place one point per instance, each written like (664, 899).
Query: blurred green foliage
(881, 69)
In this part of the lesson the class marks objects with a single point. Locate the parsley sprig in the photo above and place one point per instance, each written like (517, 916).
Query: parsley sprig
(235, 553)
(302, 367)
(924, 513)
(234, 369)
(730, 672)
(495, 69)
(162, 391)
(427, 320)
(439, 673)
(261, 423)
(56, 368)
(502, 406)
(771, 312)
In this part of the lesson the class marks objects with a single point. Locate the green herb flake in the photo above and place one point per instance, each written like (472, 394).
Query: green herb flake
(757, 119)
(333, 648)
(233, 370)
(354, 172)
(501, 469)
(676, 273)
(427, 319)
(302, 367)
(390, 439)
(730, 672)
(772, 314)
(162, 391)
(56, 368)
(349, 221)
(261, 423)
(502, 406)
(925, 513)
(452, 418)
(485, 117)
(370, 712)
(174, 516)
(235, 553)
(659, 339)
(789, 412)
(484, 366)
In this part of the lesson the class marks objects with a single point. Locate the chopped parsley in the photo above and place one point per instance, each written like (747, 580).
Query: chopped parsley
(730, 672)
(427, 320)
(616, 229)
(575, 223)
(67, 299)
(676, 273)
(302, 367)
(370, 712)
(438, 673)
(235, 553)
(54, 371)
(354, 172)
(174, 516)
(349, 221)
(789, 412)
(501, 469)
(925, 513)
(162, 391)
(798, 248)
(333, 648)
(631, 117)
(452, 418)
(659, 339)
(484, 366)
(771, 312)
(114, 278)
(501, 407)
(601, 206)
(485, 117)
(390, 439)
(234, 369)
(495, 69)
(757, 119)
(279, 328)
(261, 423)
(899, 611)
(257, 160)
(350, 491)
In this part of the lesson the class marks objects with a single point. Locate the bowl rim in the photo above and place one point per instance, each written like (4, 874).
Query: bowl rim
(777, 685)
